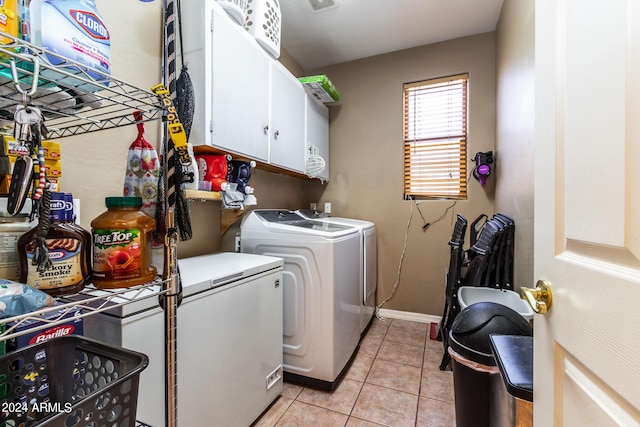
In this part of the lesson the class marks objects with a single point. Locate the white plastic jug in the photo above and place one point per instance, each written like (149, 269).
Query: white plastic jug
(75, 30)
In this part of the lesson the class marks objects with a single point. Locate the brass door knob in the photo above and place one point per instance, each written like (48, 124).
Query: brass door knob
(539, 298)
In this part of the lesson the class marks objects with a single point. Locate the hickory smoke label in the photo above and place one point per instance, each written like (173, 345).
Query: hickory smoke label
(90, 23)
(66, 255)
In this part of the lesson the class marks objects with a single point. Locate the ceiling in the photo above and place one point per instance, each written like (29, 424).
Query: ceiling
(354, 29)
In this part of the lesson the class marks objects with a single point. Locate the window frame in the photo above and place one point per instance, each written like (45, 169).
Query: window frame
(435, 145)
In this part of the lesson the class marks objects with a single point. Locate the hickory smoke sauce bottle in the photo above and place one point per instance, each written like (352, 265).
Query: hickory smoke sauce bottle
(69, 272)
(121, 244)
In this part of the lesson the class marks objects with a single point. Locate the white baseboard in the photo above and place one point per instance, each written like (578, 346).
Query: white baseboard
(407, 315)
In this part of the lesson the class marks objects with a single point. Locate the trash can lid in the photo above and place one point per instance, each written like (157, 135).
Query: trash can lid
(469, 335)
(514, 356)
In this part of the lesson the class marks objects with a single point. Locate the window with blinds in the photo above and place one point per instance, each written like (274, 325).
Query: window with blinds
(435, 138)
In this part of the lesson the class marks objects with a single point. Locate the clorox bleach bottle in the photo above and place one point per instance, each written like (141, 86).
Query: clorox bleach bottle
(73, 29)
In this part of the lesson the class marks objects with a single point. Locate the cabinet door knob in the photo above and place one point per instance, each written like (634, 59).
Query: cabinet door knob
(266, 129)
(276, 133)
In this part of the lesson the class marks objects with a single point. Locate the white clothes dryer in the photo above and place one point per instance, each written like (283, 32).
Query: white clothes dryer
(368, 261)
(321, 291)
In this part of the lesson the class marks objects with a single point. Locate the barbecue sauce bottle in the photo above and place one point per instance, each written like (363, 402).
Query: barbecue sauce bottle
(69, 272)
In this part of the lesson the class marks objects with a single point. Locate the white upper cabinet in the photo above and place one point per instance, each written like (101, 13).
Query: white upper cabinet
(317, 132)
(247, 103)
(231, 81)
(287, 129)
(240, 83)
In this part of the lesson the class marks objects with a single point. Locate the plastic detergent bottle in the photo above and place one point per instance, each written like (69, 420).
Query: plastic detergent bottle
(122, 244)
(73, 29)
(69, 272)
(213, 168)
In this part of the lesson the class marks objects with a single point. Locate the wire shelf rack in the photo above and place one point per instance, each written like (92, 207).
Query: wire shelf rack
(90, 300)
(74, 99)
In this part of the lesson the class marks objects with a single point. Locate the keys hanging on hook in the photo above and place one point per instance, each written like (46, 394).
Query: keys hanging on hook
(24, 117)
(25, 114)
(28, 121)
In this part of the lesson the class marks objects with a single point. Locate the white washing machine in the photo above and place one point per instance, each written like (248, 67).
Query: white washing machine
(321, 291)
(368, 261)
(229, 340)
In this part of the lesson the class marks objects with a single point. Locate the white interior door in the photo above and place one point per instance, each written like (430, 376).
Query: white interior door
(587, 212)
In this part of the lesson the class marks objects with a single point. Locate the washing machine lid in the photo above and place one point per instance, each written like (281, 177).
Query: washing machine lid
(319, 216)
(311, 213)
(285, 221)
(197, 274)
(359, 223)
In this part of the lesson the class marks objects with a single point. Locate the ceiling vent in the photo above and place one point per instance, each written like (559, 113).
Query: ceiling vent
(320, 5)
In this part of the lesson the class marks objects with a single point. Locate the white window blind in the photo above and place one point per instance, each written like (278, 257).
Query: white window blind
(435, 138)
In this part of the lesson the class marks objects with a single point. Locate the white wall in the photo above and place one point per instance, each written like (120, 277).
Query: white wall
(515, 128)
(367, 169)
(94, 164)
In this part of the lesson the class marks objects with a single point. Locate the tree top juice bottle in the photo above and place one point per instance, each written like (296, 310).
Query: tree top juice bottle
(121, 244)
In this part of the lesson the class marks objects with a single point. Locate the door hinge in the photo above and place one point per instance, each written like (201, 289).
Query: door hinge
(277, 283)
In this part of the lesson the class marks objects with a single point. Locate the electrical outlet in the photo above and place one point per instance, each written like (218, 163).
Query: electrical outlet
(327, 207)
(274, 377)
(313, 206)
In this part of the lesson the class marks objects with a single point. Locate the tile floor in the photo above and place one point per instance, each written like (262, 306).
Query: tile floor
(394, 381)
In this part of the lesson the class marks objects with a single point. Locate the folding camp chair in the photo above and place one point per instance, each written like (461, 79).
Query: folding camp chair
(452, 308)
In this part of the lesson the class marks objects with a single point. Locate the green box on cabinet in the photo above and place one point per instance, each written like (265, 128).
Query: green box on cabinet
(321, 88)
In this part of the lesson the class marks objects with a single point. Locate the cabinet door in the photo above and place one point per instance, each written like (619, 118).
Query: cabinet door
(286, 131)
(240, 90)
(318, 132)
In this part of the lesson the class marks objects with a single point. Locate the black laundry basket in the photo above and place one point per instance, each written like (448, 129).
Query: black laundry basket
(474, 367)
(70, 381)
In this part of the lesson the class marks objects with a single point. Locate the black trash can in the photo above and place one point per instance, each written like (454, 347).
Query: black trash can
(474, 367)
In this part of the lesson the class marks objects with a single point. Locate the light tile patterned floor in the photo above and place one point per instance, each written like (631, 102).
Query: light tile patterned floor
(394, 381)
